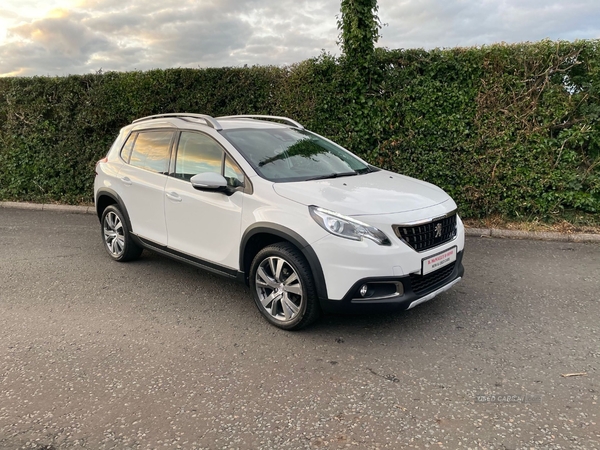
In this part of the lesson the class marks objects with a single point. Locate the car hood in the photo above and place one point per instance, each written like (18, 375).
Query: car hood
(380, 192)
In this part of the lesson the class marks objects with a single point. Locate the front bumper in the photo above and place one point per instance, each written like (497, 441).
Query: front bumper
(425, 289)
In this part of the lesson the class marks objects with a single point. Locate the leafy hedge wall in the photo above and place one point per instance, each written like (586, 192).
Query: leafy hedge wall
(506, 129)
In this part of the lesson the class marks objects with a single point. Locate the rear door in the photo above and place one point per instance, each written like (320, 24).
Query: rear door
(143, 180)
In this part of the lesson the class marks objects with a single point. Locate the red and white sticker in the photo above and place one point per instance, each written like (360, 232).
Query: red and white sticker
(438, 261)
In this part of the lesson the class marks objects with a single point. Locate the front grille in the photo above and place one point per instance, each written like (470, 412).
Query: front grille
(429, 235)
(423, 283)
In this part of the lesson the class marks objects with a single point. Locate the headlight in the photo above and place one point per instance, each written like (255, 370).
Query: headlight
(346, 227)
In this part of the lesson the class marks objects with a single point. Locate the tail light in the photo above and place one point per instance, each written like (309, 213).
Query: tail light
(103, 160)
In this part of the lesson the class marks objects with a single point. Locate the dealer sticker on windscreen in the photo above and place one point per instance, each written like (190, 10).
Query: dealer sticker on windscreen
(438, 261)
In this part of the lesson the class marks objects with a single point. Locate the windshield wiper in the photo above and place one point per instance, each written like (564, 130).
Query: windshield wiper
(367, 169)
(332, 175)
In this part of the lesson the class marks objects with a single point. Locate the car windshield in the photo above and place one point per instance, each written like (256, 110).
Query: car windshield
(287, 154)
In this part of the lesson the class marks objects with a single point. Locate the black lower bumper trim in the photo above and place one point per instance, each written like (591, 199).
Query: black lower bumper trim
(349, 304)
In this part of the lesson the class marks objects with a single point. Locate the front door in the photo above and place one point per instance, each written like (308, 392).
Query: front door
(204, 224)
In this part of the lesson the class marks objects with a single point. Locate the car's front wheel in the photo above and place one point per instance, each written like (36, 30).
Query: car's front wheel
(115, 235)
(283, 288)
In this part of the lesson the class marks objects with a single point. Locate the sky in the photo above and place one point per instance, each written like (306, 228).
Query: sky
(62, 37)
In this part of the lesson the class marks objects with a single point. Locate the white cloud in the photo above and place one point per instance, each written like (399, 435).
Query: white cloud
(86, 35)
(439, 23)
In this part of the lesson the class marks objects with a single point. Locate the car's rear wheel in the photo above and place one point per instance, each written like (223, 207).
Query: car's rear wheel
(115, 235)
(283, 287)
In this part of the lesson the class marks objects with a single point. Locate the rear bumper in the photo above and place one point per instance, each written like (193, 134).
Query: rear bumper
(353, 303)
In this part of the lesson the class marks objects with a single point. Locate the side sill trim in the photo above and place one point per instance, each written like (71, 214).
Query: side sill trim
(205, 265)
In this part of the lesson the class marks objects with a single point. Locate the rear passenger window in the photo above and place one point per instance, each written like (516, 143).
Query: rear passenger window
(151, 151)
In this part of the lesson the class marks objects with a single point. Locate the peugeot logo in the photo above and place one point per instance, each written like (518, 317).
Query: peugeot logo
(438, 230)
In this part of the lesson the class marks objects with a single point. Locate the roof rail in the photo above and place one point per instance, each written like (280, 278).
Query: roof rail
(260, 116)
(210, 121)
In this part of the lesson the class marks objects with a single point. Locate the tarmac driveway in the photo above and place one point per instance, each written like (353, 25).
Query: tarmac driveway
(101, 355)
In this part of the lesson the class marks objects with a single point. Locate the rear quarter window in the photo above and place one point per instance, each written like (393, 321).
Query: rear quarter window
(126, 150)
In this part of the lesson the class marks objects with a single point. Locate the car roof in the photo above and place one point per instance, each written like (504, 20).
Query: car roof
(202, 121)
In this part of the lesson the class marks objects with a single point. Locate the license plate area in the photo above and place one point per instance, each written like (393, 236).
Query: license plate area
(439, 260)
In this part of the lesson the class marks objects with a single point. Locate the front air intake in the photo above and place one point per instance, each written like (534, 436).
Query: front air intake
(425, 236)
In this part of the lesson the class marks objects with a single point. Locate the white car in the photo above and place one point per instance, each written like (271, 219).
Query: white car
(306, 224)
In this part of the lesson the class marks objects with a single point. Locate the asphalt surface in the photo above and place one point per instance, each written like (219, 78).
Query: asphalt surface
(156, 354)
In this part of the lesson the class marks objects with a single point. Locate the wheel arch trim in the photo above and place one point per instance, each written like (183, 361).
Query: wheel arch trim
(294, 238)
(112, 194)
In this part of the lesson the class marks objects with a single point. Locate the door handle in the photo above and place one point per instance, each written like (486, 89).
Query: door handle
(126, 181)
(173, 196)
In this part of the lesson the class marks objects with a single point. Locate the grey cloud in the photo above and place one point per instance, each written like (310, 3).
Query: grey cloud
(6, 14)
(61, 36)
(161, 37)
(128, 35)
(439, 23)
(50, 46)
(114, 22)
(193, 43)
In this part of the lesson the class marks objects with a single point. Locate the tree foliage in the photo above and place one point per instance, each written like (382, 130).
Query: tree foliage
(359, 28)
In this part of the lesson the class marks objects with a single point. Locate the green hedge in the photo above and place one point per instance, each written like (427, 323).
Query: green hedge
(506, 129)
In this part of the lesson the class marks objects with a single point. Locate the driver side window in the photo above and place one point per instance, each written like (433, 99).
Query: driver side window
(197, 153)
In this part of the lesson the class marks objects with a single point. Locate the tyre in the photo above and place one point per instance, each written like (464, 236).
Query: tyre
(115, 235)
(283, 288)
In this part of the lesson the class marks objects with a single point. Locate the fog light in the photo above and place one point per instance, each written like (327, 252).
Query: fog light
(363, 290)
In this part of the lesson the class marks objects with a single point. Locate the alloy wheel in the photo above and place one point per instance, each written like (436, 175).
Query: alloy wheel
(279, 289)
(114, 236)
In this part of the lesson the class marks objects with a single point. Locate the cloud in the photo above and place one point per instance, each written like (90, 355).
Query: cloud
(135, 35)
(50, 45)
(439, 23)
(117, 35)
